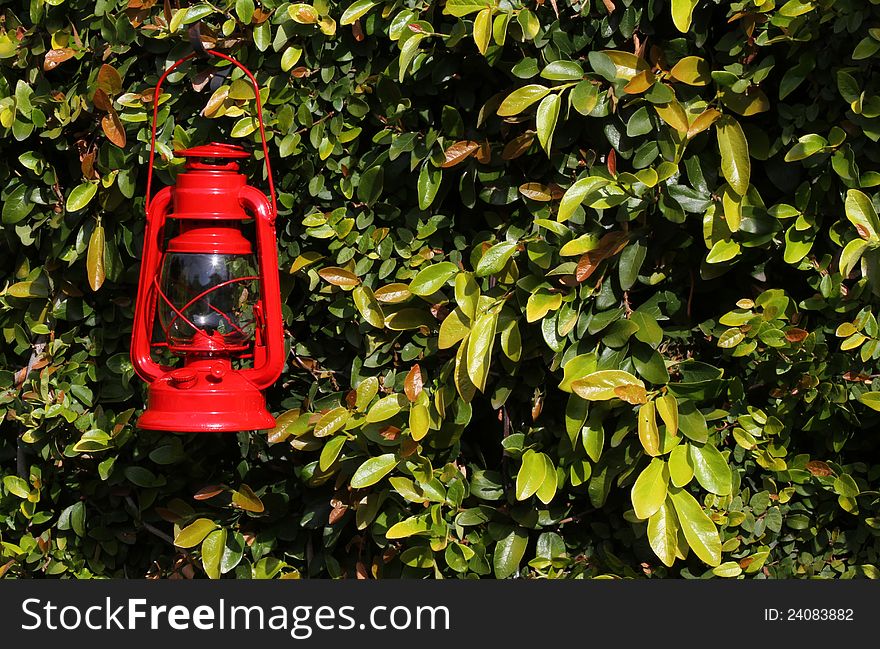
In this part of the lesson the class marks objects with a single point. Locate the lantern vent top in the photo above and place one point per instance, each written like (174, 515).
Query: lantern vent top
(214, 150)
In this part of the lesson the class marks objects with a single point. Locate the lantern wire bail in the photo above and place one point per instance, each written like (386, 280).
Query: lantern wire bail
(200, 52)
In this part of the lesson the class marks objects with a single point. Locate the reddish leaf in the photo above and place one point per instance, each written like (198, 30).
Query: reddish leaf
(102, 101)
(518, 146)
(609, 245)
(54, 58)
(209, 492)
(109, 80)
(113, 128)
(819, 468)
(484, 153)
(612, 162)
(412, 386)
(795, 335)
(459, 152)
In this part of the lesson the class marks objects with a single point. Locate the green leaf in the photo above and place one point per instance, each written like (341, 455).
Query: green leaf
(681, 470)
(459, 8)
(245, 498)
(727, 569)
(370, 186)
(95, 257)
(366, 392)
(408, 527)
(419, 421)
(80, 196)
(521, 98)
(723, 251)
(663, 532)
(844, 485)
(548, 112)
(531, 474)
(479, 349)
(368, 306)
(16, 205)
(692, 70)
(682, 10)
(483, 30)
(467, 294)
(806, 146)
(430, 178)
(509, 552)
(407, 54)
(861, 213)
(852, 253)
(603, 385)
(735, 164)
(194, 533)
(649, 490)
(871, 399)
(495, 258)
(563, 71)
(331, 451)
(667, 408)
(711, 469)
(584, 97)
(698, 529)
(356, 10)
(576, 194)
(431, 279)
(386, 408)
(17, 486)
(649, 434)
(547, 490)
(373, 470)
(540, 304)
(212, 552)
(289, 59)
(244, 9)
(332, 421)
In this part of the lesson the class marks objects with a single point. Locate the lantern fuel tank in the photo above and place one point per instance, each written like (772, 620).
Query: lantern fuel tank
(209, 299)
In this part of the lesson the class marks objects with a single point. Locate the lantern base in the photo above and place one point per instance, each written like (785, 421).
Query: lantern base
(205, 397)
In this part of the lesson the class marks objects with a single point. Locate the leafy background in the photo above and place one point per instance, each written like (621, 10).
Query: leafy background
(571, 289)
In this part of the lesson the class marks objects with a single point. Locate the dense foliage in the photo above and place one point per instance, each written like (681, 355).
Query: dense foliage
(572, 289)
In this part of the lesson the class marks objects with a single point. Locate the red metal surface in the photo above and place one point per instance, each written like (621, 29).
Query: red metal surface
(208, 202)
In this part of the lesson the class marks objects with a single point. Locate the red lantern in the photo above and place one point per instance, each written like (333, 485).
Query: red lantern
(214, 295)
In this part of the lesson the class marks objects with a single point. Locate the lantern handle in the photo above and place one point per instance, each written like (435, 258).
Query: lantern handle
(256, 86)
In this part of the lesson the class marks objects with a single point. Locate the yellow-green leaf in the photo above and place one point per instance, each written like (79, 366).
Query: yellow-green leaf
(331, 421)
(521, 98)
(698, 529)
(212, 551)
(530, 475)
(95, 257)
(682, 11)
(667, 408)
(649, 490)
(735, 164)
(479, 350)
(692, 70)
(368, 306)
(483, 29)
(603, 385)
(649, 434)
(194, 533)
(373, 470)
(81, 195)
(663, 533)
(245, 498)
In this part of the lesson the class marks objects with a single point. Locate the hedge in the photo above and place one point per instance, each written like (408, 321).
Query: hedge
(571, 289)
